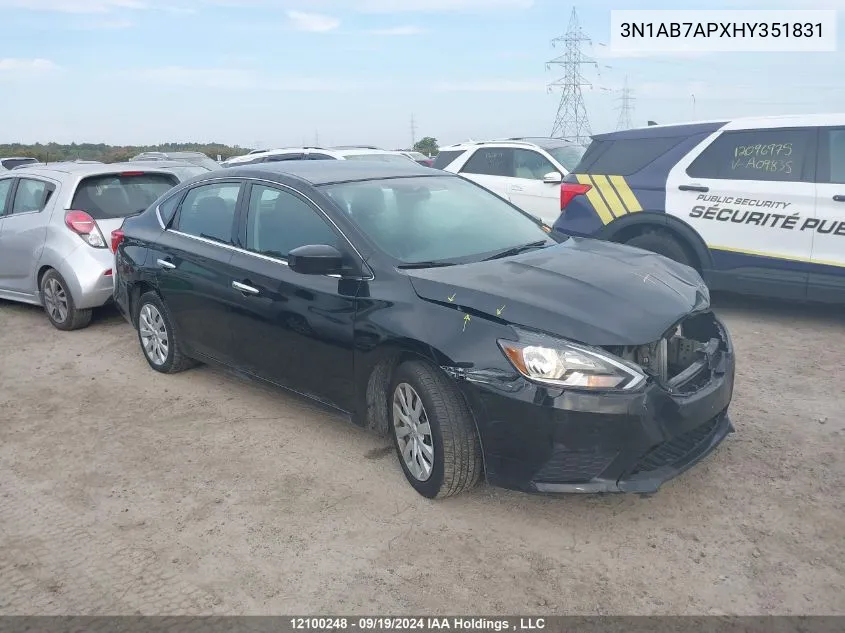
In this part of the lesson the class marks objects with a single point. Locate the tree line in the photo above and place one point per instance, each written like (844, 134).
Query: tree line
(55, 152)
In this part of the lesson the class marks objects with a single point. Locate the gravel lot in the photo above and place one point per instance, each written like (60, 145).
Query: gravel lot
(125, 491)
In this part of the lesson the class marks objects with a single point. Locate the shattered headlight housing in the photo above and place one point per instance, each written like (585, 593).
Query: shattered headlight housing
(560, 363)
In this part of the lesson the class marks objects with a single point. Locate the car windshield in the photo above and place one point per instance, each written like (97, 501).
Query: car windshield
(567, 155)
(441, 219)
(384, 158)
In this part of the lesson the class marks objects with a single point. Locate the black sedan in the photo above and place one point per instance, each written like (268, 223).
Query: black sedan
(421, 305)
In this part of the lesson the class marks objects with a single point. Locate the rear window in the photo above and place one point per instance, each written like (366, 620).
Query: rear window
(624, 157)
(445, 158)
(568, 156)
(11, 163)
(120, 195)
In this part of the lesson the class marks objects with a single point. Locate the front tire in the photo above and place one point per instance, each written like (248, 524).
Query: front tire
(433, 432)
(59, 305)
(156, 334)
(662, 243)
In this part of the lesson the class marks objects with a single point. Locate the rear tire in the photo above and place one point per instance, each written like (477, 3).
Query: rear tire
(662, 243)
(156, 334)
(433, 431)
(59, 305)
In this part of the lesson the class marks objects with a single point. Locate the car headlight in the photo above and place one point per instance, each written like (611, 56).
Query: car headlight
(560, 363)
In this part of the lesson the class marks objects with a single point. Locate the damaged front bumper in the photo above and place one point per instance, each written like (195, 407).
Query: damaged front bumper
(547, 440)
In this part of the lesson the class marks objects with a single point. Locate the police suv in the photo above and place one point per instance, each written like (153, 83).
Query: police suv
(756, 205)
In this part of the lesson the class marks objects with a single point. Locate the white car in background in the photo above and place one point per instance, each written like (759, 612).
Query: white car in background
(316, 153)
(528, 171)
(11, 162)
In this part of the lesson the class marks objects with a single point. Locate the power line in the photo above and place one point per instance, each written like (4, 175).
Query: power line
(571, 120)
(625, 107)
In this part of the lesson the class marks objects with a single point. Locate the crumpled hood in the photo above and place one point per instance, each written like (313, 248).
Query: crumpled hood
(586, 290)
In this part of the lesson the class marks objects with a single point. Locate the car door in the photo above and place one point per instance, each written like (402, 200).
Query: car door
(192, 261)
(827, 278)
(291, 329)
(23, 233)
(492, 168)
(751, 196)
(6, 187)
(529, 191)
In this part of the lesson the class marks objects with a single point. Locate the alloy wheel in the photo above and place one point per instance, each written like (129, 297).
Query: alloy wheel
(153, 332)
(55, 300)
(413, 432)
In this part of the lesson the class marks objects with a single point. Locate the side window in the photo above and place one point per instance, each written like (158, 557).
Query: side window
(279, 221)
(491, 161)
(446, 158)
(208, 211)
(769, 154)
(832, 165)
(5, 188)
(320, 157)
(167, 209)
(530, 164)
(277, 158)
(31, 195)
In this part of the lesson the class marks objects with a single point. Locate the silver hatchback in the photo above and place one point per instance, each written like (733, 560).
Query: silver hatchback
(55, 223)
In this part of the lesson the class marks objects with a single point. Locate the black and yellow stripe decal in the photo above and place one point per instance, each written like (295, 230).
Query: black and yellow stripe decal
(610, 196)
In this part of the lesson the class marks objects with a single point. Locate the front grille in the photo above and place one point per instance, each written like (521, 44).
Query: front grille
(673, 451)
(568, 466)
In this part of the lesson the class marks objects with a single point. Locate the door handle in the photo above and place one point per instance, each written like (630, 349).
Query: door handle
(166, 264)
(694, 188)
(247, 290)
(516, 188)
(839, 198)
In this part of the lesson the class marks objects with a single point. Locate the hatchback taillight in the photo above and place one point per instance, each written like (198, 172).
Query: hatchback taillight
(570, 190)
(116, 239)
(85, 227)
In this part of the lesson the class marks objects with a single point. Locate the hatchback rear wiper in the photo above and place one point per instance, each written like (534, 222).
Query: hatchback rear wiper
(429, 264)
(516, 250)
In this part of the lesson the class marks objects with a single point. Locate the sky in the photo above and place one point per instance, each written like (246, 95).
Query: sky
(274, 73)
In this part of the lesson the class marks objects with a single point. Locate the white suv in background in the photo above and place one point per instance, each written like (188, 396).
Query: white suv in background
(527, 171)
(316, 153)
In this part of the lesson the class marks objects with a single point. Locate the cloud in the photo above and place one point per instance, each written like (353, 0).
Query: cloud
(11, 64)
(73, 6)
(439, 6)
(239, 79)
(312, 22)
(606, 52)
(492, 85)
(97, 25)
(398, 30)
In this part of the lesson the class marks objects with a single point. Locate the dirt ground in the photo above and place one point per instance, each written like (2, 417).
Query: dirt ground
(124, 491)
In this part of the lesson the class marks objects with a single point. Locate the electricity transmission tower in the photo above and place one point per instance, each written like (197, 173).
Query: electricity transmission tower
(625, 107)
(571, 120)
(413, 132)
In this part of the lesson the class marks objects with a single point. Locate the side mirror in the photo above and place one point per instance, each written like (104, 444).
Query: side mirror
(553, 178)
(315, 259)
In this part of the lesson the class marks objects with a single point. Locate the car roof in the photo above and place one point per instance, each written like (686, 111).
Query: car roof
(526, 141)
(94, 169)
(741, 123)
(362, 151)
(329, 172)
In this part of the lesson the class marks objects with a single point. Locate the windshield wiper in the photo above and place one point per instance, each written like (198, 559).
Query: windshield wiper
(429, 264)
(516, 250)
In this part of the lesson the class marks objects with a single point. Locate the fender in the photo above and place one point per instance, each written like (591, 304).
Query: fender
(660, 219)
